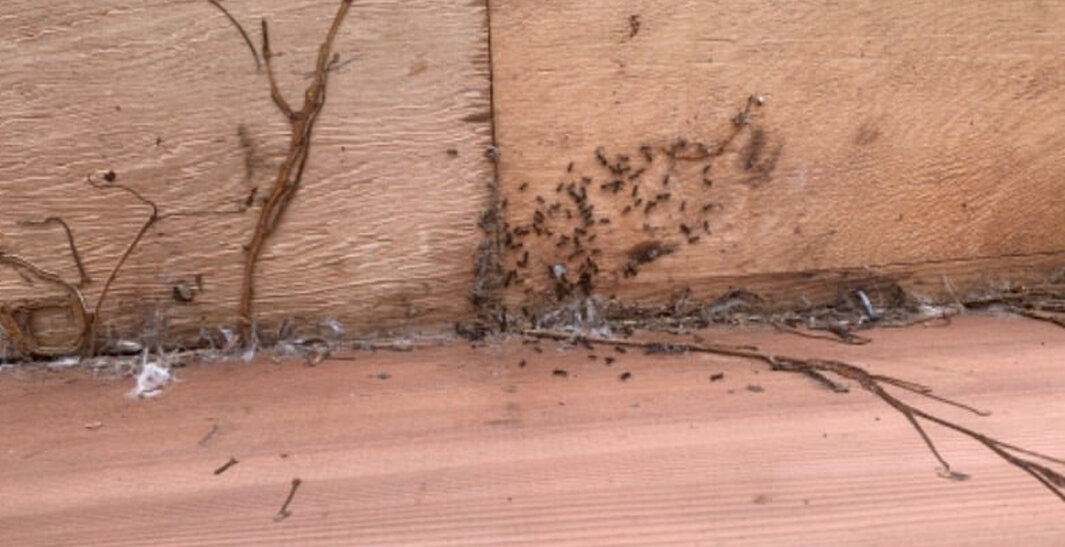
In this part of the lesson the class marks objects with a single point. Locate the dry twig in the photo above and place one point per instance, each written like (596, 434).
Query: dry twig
(1022, 458)
(243, 33)
(291, 171)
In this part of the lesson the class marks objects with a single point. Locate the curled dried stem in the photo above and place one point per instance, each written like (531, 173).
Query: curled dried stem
(16, 320)
(153, 217)
(83, 277)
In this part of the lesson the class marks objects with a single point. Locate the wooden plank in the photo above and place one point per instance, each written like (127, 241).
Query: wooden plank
(893, 136)
(452, 445)
(383, 233)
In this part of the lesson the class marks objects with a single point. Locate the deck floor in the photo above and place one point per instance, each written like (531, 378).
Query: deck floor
(460, 446)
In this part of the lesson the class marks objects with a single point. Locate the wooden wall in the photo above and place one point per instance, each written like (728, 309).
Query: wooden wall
(381, 236)
(913, 141)
(916, 140)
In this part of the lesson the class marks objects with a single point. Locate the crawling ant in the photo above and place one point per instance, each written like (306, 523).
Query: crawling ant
(523, 186)
(626, 210)
(601, 157)
(646, 151)
(569, 168)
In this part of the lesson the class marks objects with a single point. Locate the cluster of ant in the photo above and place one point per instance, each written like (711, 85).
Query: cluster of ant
(662, 191)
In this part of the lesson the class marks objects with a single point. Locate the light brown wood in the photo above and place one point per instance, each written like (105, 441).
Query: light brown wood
(382, 234)
(893, 136)
(462, 446)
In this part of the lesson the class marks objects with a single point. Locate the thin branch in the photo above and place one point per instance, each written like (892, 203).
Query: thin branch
(290, 173)
(1039, 315)
(243, 33)
(873, 383)
(275, 92)
(839, 334)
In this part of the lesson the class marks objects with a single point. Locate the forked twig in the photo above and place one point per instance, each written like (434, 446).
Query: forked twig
(875, 384)
(290, 172)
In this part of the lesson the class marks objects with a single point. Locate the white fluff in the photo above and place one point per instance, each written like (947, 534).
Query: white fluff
(151, 379)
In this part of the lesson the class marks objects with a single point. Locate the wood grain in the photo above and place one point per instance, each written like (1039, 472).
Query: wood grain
(907, 133)
(463, 446)
(383, 232)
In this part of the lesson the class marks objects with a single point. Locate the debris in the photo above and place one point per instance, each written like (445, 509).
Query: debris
(664, 347)
(284, 513)
(151, 380)
(93, 426)
(183, 292)
(209, 435)
(225, 466)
